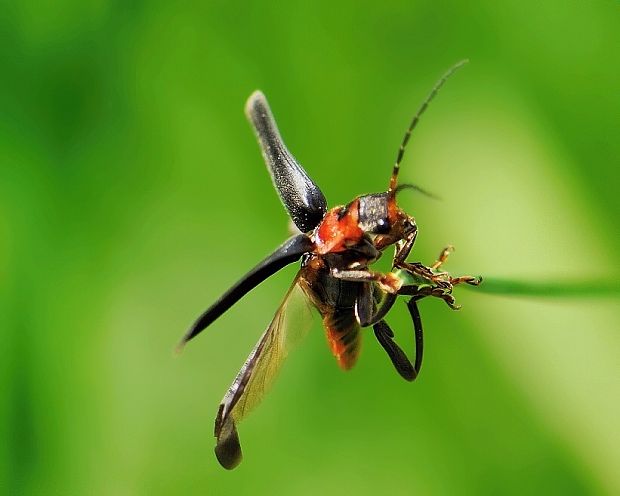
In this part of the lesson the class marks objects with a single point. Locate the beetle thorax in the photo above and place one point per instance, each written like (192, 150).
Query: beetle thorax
(339, 230)
(376, 215)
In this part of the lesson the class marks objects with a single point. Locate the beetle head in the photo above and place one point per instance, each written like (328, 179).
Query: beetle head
(380, 215)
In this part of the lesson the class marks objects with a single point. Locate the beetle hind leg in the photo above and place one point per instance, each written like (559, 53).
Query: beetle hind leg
(384, 334)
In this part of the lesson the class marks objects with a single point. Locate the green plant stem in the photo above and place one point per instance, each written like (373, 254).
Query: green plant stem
(551, 289)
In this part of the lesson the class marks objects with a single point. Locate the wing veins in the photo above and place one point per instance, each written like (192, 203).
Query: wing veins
(255, 377)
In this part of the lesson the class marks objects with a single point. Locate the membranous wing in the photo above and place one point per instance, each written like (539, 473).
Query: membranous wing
(290, 323)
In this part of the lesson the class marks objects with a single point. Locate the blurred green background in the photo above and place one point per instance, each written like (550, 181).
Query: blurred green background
(132, 193)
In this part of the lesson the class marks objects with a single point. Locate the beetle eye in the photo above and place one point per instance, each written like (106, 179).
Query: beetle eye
(382, 226)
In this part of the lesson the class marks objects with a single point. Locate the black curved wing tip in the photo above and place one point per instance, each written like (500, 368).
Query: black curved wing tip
(228, 452)
(193, 331)
(178, 349)
(228, 448)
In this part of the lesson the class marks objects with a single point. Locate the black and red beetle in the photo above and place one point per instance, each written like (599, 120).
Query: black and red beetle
(337, 248)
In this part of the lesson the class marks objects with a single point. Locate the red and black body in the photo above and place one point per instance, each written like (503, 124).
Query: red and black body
(337, 248)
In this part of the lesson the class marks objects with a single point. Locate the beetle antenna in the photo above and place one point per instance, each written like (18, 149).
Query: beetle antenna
(417, 188)
(416, 118)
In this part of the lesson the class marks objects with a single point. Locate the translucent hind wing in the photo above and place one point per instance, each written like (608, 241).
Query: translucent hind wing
(289, 325)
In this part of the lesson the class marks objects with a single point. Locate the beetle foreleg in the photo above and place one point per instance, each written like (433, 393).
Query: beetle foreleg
(403, 248)
(421, 270)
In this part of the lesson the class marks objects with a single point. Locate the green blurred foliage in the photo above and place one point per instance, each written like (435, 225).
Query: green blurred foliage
(132, 193)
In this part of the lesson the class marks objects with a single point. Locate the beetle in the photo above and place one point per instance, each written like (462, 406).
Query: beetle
(337, 248)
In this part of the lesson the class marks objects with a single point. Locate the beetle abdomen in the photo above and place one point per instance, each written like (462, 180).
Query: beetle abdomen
(335, 299)
(343, 335)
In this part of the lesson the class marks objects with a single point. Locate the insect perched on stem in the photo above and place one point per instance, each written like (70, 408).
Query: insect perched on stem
(337, 248)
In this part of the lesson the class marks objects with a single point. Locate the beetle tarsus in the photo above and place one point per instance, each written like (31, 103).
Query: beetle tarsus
(471, 280)
(443, 256)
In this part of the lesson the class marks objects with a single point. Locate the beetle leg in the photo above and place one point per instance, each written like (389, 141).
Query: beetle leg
(443, 256)
(384, 307)
(437, 279)
(471, 280)
(302, 198)
(403, 248)
(449, 299)
(367, 312)
(364, 304)
(289, 252)
(399, 359)
(419, 269)
(412, 306)
(420, 292)
(388, 282)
